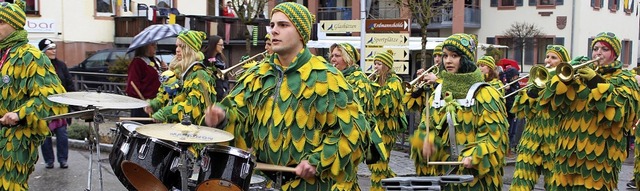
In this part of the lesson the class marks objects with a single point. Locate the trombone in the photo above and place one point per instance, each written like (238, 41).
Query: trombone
(222, 73)
(414, 85)
(540, 75)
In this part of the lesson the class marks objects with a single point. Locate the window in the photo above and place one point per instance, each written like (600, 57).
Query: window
(105, 7)
(547, 2)
(628, 6)
(542, 49)
(507, 3)
(625, 53)
(613, 5)
(597, 4)
(32, 7)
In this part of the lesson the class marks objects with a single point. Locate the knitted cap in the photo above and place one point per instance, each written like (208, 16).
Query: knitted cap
(352, 51)
(611, 39)
(300, 16)
(386, 58)
(192, 38)
(463, 42)
(488, 61)
(560, 51)
(46, 44)
(13, 14)
(438, 49)
(267, 36)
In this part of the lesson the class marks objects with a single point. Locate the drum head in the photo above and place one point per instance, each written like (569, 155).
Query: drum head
(131, 126)
(140, 178)
(217, 184)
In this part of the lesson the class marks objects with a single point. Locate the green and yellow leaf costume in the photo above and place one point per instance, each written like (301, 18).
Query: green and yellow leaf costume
(194, 91)
(496, 83)
(391, 120)
(591, 142)
(305, 111)
(480, 129)
(27, 79)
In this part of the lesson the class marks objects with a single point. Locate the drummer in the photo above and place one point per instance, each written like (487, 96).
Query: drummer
(186, 87)
(296, 110)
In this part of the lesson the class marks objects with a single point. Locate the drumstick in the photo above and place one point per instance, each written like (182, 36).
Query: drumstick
(271, 167)
(136, 89)
(136, 119)
(446, 163)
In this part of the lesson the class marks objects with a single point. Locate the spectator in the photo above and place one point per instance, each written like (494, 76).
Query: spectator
(215, 61)
(144, 72)
(227, 11)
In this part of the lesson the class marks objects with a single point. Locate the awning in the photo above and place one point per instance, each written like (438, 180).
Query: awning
(415, 43)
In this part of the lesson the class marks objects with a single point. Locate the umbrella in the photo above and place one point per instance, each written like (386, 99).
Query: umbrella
(504, 63)
(153, 34)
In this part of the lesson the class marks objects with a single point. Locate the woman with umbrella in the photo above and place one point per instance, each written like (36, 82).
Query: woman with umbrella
(143, 78)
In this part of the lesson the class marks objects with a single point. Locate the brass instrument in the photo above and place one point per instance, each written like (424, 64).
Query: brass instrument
(540, 75)
(412, 86)
(373, 74)
(222, 73)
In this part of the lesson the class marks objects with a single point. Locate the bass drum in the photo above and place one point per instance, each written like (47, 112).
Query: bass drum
(121, 137)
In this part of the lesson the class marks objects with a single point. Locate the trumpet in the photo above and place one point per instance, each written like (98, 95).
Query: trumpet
(412, 86)
(540, 75)
(222, 73)
(373, 74)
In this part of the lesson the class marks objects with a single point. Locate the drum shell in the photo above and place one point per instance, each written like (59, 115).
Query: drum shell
(155, 156)
(227, 163)
(123, 132)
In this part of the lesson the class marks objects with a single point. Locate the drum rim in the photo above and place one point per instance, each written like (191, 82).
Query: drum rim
(232, 151)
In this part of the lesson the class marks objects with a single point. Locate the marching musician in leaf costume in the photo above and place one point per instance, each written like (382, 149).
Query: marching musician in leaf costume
(389, 114)
(598, 109)
(465, 112)
(296, 110)
(487, 66)
(415, 100)
(28, 77)
(346, 58)
(537, 145)
(187, 87)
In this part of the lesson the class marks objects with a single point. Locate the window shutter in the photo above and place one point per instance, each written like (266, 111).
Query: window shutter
(559, 2)
(519, 3)
(494, 3)
(593, 3)
(610, 5)
(601, 3)
(559, 41)
(532, 3)
(589, 47)
(491, 40)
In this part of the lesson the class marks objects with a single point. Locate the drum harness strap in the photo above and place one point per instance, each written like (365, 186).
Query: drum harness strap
(468, 101)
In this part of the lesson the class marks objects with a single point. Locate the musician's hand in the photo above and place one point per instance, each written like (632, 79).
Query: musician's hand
(213, 116)
(466, 162)
(578, 60)
(419, 71)
(305, 170)
(428, 148)
(586, 73)
(10, 118)
(148, 110)
(430, 78)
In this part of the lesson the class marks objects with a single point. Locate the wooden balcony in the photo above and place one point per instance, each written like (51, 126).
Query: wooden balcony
(128, 27)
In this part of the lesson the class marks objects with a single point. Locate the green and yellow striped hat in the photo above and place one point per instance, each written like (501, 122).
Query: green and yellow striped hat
(386, 58)
(193, 39)
(611, 39)
(463, 42)
(300, 16)
(488, 61)
(438, 49)
(352, 51)
(13, 14)
(560, 51)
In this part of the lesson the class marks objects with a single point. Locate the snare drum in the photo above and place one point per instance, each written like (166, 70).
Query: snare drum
(121, 136)
(225, 168)
(150, 158)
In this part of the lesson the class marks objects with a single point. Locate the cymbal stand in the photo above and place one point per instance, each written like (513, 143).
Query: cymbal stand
(94, 142)
(183, 166)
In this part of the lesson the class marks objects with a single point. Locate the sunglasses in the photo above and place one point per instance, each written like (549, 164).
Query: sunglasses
(554, 47)
(609, 34)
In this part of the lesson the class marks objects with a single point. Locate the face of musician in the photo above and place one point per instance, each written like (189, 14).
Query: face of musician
(285, 39)
(267, 46)
(600, 49)
(451, 61)
(552, 60)
(484, 69)
(5, 30)
(337, 60)
(180, 46)
(437, 59)
(380, 67)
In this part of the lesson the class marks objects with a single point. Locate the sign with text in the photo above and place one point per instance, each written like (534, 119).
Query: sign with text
(336, 26)
(387, 39)
(399, 66)
(398, 53)
(40, 26)
(387, 25)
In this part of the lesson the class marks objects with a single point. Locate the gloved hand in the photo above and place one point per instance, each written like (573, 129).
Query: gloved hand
(586, 73)
(243, 58)
(579, 60)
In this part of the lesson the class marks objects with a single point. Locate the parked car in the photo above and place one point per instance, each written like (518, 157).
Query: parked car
(102, 60)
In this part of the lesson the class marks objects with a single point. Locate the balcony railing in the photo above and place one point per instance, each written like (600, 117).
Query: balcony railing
(334, 13)
(444, 19)
(127, 27)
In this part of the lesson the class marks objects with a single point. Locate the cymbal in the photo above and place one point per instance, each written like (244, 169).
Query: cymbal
(98, 100)
(185, 133)
(84, 114)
